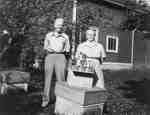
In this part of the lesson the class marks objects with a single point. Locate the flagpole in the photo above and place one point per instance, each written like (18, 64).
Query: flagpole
(74, 28)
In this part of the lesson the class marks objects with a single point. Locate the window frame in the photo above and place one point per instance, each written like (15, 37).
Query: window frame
(117, 43)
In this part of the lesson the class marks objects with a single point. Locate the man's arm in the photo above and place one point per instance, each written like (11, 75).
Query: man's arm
(77, 54)
(46, 43)
(45, 52)
(67, 47)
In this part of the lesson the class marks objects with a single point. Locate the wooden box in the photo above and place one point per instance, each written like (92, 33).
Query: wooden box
(67, 107)
(78, 81)
(81, 96)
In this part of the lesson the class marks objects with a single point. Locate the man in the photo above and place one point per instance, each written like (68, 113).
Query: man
(56, 45)
(95, 54)
(5, 40)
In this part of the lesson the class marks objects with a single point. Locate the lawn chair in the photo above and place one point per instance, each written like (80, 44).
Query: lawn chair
(13, 79)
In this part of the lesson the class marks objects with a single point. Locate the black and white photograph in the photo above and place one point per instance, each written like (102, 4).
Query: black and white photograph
(74, 57)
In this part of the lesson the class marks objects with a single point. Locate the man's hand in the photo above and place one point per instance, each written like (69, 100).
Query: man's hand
(36, 64)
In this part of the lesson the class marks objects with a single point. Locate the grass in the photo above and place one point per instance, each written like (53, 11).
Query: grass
(128, 91)
(128, 94)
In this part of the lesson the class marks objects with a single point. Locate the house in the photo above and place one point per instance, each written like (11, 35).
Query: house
(124, 48)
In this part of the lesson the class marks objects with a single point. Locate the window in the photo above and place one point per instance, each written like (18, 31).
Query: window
(112, 44)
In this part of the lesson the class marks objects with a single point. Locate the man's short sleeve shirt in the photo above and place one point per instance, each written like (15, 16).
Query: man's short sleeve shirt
(57, 42)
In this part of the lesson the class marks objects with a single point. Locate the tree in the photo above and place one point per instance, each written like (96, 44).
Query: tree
(133, 21)
(31, 20)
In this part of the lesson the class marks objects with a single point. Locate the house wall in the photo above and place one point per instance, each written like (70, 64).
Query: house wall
(111, 23)
(124, 46)
(141, 50)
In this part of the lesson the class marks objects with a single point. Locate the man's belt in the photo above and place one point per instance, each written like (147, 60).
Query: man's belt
(56, 52)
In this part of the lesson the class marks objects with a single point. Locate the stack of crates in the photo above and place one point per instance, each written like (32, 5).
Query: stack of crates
(71, 100)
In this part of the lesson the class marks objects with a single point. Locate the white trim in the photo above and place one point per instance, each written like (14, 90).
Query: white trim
(80, 36)
(117, 63)
(117, 43)
(97, 34)
(132, 47)
(74, 12)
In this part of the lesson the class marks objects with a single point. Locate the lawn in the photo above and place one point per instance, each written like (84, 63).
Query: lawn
(128, 94)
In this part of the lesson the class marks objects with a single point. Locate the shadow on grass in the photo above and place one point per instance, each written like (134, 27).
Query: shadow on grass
(129, 84)
(21, 103)
(128, 91)
(18, 102)
(138, 90)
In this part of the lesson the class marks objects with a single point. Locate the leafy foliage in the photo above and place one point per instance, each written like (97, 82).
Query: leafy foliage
(133, 21)
(32, 19)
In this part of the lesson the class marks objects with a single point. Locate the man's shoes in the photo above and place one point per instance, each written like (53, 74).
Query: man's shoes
(101, 88)
(44, 103)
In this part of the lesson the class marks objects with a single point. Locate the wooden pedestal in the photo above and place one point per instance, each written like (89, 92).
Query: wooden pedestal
(77, 101)
(67, 107)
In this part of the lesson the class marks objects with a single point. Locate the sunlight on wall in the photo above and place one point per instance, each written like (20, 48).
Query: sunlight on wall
(147, 2)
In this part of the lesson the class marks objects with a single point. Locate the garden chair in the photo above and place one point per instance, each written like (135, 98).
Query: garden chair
(13, 79)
